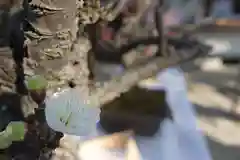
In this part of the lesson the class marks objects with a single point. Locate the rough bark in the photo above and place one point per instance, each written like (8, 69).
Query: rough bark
(13, 94)
(11, 56)
(51, 30)
(10, 21)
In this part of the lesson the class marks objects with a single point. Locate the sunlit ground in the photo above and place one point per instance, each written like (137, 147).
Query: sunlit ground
(216, 97)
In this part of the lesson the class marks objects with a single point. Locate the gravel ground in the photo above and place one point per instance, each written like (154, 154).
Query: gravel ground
(215, 96)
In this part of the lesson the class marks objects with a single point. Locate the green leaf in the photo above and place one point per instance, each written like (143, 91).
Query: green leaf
(36, 82)
(16, 131)
(5, 140)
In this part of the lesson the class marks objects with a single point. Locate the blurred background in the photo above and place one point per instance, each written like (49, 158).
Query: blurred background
(214, 82)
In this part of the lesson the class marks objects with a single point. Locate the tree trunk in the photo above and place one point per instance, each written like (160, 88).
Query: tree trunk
(11, 59)
(51, 31)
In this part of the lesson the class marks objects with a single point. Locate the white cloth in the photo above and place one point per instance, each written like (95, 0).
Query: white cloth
(191, 142)
(177, 140)
(174, 83)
